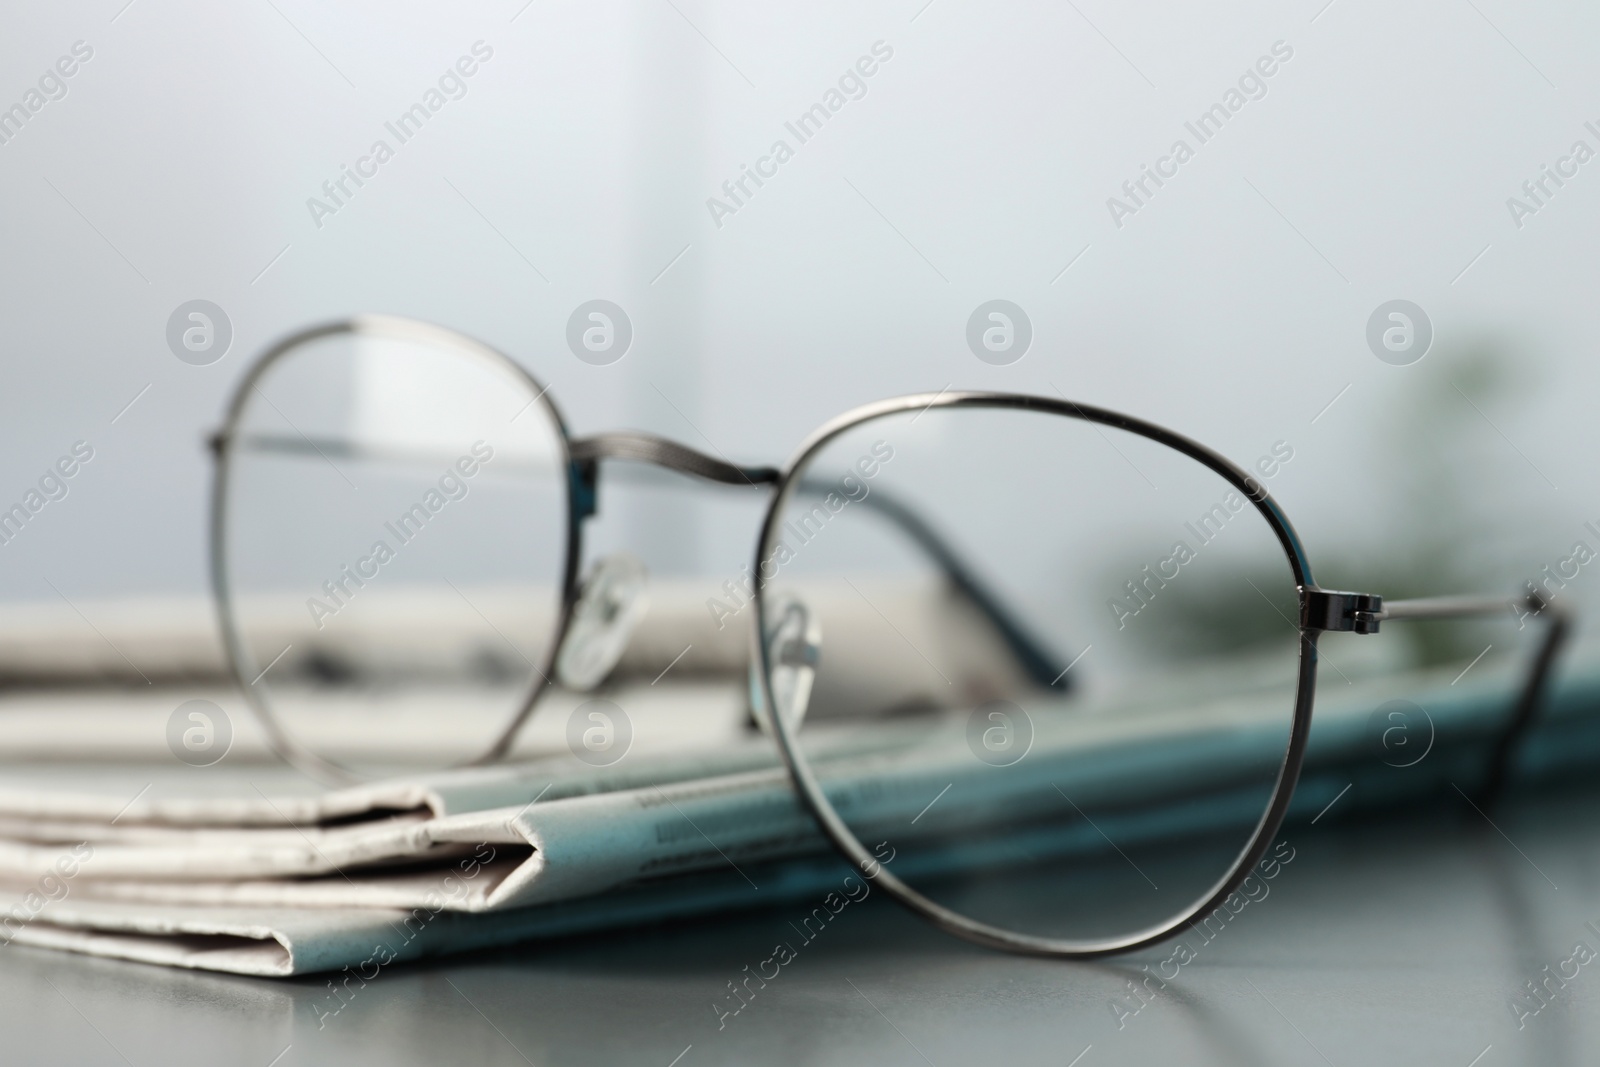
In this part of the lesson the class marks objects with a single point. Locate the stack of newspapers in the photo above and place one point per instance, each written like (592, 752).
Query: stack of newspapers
(251, 869)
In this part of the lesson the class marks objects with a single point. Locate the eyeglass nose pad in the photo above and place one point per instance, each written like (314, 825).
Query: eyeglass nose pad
(794, 648)
(611, 601)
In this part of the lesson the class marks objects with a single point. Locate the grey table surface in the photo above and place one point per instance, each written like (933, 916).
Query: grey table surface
(1394, 940)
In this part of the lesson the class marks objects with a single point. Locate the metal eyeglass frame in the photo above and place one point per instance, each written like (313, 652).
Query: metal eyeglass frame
(581, 458)
(1320, 610)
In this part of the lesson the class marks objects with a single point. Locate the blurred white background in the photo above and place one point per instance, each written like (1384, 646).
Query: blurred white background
(1232, 306)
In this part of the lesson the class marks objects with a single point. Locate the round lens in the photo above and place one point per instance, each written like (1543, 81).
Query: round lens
(393, 539)
(1042, 669)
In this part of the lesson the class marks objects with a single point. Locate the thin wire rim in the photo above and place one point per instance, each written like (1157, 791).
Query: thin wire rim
(845, 840)
(279, 737)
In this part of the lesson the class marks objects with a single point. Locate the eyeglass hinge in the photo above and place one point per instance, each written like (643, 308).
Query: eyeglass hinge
(1330, 609)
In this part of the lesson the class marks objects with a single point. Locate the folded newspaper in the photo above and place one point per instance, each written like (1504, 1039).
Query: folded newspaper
(260, 875)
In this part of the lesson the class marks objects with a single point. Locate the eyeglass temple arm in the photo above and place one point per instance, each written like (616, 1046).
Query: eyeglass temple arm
(1031, 654)
(1558, 619)
(1039, 664)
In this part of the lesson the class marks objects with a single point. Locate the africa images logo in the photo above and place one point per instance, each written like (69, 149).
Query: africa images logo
(1252, 85)
(852, 85)
(451, 85)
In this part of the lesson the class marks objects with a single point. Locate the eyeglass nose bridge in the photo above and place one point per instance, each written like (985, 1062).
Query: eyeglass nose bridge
(660, 452)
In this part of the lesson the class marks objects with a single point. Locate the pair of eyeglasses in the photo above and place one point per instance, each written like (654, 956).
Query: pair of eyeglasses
(1041, 671)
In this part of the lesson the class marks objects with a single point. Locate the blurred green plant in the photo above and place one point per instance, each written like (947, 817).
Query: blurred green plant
(1437, 535)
